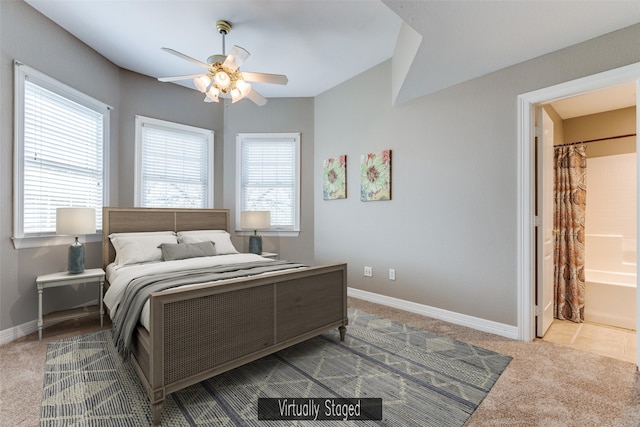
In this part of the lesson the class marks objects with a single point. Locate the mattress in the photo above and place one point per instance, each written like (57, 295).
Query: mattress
(120, 276)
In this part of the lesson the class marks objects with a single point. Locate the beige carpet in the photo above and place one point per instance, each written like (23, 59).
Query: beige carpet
(545, 384)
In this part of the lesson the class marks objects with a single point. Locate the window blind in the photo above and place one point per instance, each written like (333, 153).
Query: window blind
(63, 158)
(175, 167)
(269, 179)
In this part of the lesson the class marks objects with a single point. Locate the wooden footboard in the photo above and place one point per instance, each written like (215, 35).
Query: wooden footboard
(205, 330)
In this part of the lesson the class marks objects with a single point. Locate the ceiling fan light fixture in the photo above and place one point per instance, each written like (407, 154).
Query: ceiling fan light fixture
(202, 83)
(243, 87)
(213, 94)
(235, 95)
(221, 79)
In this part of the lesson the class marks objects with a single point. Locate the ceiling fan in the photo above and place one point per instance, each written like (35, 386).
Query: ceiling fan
(223, 78)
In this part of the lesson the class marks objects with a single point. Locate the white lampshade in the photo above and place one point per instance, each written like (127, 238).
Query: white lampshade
(235, 95)
(255, 220)
(222, 79)
(243, 87)
(75, 221)
(202, 83)
(212, 94)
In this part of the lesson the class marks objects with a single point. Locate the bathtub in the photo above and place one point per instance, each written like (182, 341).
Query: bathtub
(610, 298)
(610, 280)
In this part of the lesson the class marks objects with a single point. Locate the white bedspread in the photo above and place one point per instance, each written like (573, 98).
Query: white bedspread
(120, 276)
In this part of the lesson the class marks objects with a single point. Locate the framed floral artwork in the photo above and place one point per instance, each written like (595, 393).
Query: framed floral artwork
(375, 176)
(334, 181)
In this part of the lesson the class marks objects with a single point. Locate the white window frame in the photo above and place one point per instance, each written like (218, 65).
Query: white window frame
(22, 73)
(141, 121)
(267, 137)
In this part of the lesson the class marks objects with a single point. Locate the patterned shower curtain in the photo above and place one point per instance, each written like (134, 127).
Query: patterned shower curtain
(569, 220)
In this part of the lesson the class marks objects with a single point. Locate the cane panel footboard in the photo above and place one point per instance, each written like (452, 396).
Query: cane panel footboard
(211, 328)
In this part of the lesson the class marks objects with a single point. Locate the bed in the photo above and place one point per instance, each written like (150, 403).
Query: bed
(199, 331)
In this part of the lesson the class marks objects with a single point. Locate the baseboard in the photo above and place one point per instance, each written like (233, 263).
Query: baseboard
(12, 334)
(484, 325)
(19, 331)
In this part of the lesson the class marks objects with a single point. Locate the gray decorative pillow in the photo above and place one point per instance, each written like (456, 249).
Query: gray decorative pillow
(174, 251)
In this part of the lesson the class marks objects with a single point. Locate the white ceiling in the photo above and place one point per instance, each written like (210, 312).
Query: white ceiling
(319, 44)
(595, 102)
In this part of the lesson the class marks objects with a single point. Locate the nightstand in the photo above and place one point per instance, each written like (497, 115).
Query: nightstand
(65, 278)
(271, 255)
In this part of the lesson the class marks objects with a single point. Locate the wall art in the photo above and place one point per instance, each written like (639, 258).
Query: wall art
(334, 181)
(375, 176)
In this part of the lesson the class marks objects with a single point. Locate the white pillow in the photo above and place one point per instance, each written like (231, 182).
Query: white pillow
(133, 248)
(221, 238)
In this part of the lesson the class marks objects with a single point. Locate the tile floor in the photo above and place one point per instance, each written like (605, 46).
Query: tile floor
(595, 338)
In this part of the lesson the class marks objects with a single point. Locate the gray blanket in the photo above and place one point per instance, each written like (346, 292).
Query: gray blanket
(139, 290)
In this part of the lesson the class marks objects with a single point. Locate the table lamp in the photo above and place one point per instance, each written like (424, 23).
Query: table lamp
(255, 220)
(75, 221)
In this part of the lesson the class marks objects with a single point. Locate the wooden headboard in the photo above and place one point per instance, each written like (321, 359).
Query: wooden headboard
(131, 220)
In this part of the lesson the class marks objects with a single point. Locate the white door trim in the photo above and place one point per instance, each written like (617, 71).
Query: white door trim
(526, 180)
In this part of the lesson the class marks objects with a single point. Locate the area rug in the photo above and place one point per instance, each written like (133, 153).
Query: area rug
(422, 379)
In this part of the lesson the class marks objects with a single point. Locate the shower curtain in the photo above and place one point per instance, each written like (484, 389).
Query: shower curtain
(569, 219)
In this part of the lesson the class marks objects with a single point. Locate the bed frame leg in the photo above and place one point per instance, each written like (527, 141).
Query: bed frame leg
(156, 411)
(343, 332)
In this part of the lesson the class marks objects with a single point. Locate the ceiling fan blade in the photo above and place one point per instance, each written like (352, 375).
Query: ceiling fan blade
(176, 78)
(256, 98)
(235, 58)
(188, 58)
(278, 79)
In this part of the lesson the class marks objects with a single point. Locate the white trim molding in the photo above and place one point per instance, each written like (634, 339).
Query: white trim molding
(12, 334)
(19, 331)
(188, 135)
(477, 323)
(526, 157)
(22, 74)
(284, 227)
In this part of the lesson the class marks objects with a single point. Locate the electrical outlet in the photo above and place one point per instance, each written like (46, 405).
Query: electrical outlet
(392, 274)
(368, 271)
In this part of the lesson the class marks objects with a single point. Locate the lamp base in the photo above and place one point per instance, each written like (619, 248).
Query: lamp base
(255, 244)
(75, 260)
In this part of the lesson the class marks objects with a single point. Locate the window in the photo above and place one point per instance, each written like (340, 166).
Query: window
(60, 154)
(174, 165)
(268, 178)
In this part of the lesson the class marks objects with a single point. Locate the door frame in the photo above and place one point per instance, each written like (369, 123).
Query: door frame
(526, 249)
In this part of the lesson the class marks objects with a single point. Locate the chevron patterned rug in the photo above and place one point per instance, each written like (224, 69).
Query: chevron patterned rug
(422, 378)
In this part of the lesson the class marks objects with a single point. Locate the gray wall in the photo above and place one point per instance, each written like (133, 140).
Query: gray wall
(450, 229)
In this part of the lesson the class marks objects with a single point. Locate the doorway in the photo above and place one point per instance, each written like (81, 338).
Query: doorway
(527, 219)
(604, 123)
